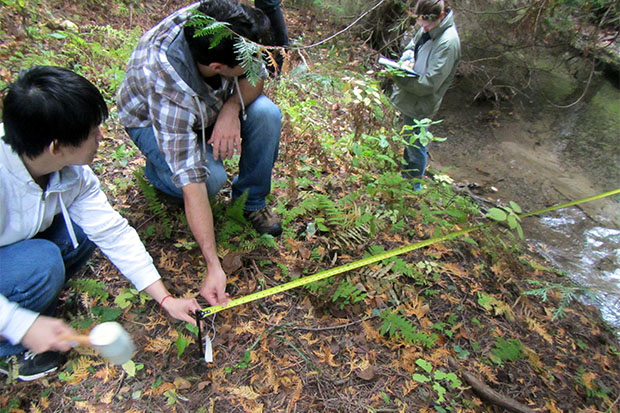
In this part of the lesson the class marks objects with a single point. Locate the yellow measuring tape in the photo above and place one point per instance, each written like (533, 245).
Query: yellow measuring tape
(379, 257)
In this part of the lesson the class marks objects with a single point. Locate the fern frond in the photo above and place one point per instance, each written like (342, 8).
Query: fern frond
(153, 203)
(208, 26)
(399, 328)
(249, 54)
(93, 288)
(348, 293)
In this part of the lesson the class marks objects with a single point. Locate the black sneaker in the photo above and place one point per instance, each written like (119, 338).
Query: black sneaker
(264, 221)
(29, 366)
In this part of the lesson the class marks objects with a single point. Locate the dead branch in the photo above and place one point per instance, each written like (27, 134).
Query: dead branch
(487, 393)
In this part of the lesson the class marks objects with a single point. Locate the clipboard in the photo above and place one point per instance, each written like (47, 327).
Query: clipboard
(395, 65)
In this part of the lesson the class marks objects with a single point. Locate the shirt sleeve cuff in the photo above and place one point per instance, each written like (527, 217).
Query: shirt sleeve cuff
(146, 279)
(20, 321)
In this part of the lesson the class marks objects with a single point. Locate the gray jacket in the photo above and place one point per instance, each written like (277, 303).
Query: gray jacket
(420, 97)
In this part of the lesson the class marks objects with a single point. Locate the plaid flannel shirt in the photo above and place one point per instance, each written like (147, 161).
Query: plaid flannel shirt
(154, 93)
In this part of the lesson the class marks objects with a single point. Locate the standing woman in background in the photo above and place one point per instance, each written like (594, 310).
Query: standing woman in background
(434, 53)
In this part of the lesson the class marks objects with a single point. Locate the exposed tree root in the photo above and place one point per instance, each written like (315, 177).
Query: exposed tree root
(488, 394)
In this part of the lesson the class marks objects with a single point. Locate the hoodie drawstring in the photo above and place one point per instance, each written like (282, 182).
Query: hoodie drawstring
(202, 124)
(68, 223)
(244, 115)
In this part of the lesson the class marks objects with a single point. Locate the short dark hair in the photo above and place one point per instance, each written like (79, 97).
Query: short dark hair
(244, 20)
(48, 103)
(430, 9)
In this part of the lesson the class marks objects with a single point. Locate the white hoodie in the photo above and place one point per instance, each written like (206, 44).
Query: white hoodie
(74, 192)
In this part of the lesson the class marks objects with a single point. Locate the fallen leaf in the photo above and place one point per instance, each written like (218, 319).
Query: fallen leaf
(367, 374)
(182, 384)
(232, 263)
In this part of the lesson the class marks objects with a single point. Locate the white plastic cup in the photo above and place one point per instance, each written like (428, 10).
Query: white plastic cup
(112, 342)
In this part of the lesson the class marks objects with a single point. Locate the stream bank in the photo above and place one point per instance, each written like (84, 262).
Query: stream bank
(539, 155)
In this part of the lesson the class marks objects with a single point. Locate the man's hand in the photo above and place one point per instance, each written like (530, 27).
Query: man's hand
(226, 135)
(45, 335)
(213, 287)
(182, 308)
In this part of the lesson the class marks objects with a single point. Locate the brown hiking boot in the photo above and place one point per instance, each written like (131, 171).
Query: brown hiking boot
(264, 221)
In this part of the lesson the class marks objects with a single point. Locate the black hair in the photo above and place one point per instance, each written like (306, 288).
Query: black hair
(48, 103)
(431, 9)
(243, 20)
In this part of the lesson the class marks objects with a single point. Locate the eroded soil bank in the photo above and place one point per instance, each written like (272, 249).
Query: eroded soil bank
(539, 155)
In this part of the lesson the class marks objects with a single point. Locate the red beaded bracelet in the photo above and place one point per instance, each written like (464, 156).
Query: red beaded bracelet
(164, 299)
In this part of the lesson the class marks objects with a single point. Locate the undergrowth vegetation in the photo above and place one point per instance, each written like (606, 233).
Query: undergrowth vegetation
(378, 337)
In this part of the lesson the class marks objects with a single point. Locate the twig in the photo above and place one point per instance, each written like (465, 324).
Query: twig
(613, 404)
(487, 393)
(343, 30)
(585, 90)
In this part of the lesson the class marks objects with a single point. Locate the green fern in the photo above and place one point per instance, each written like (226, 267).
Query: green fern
(319, 287)
(93, 288)
(399, 328)
(153, 203)
(507, 350)
(335, 217)
(569, 293)
(307, 205)
(235, 209)
(348, 294)
(208, 26)
(249, 54)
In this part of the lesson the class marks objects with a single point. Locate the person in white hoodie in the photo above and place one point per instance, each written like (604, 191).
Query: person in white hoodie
(53, 213)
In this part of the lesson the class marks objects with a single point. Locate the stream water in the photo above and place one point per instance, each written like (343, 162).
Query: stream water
(539, 155)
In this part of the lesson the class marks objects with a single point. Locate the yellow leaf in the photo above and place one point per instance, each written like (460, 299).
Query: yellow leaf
(296, 395)
(535, 361)
(486, 371)
(271, 378)
(34, 409)
(245, 392)
(85, 406)
(535, 326)
(587, 380)
(80, 370)
(107, 398)
(257, 409)
(158, 344)
(550, 405)
(409, 386)
(167, 261)
(308, 338)
(105, 374)
(325, 355)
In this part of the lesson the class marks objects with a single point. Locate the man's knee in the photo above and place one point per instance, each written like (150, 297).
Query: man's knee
(216, 181)
(265, 110)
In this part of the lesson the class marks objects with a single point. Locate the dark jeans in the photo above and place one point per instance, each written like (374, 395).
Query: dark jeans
(278, 26)
(34, 271)
(415, 157)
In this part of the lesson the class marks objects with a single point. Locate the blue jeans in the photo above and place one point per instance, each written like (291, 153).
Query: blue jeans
(414, 155)
(260, 139)
(34, 271)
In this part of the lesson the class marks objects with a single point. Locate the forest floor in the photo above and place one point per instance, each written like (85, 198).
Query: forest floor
(455, 326)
